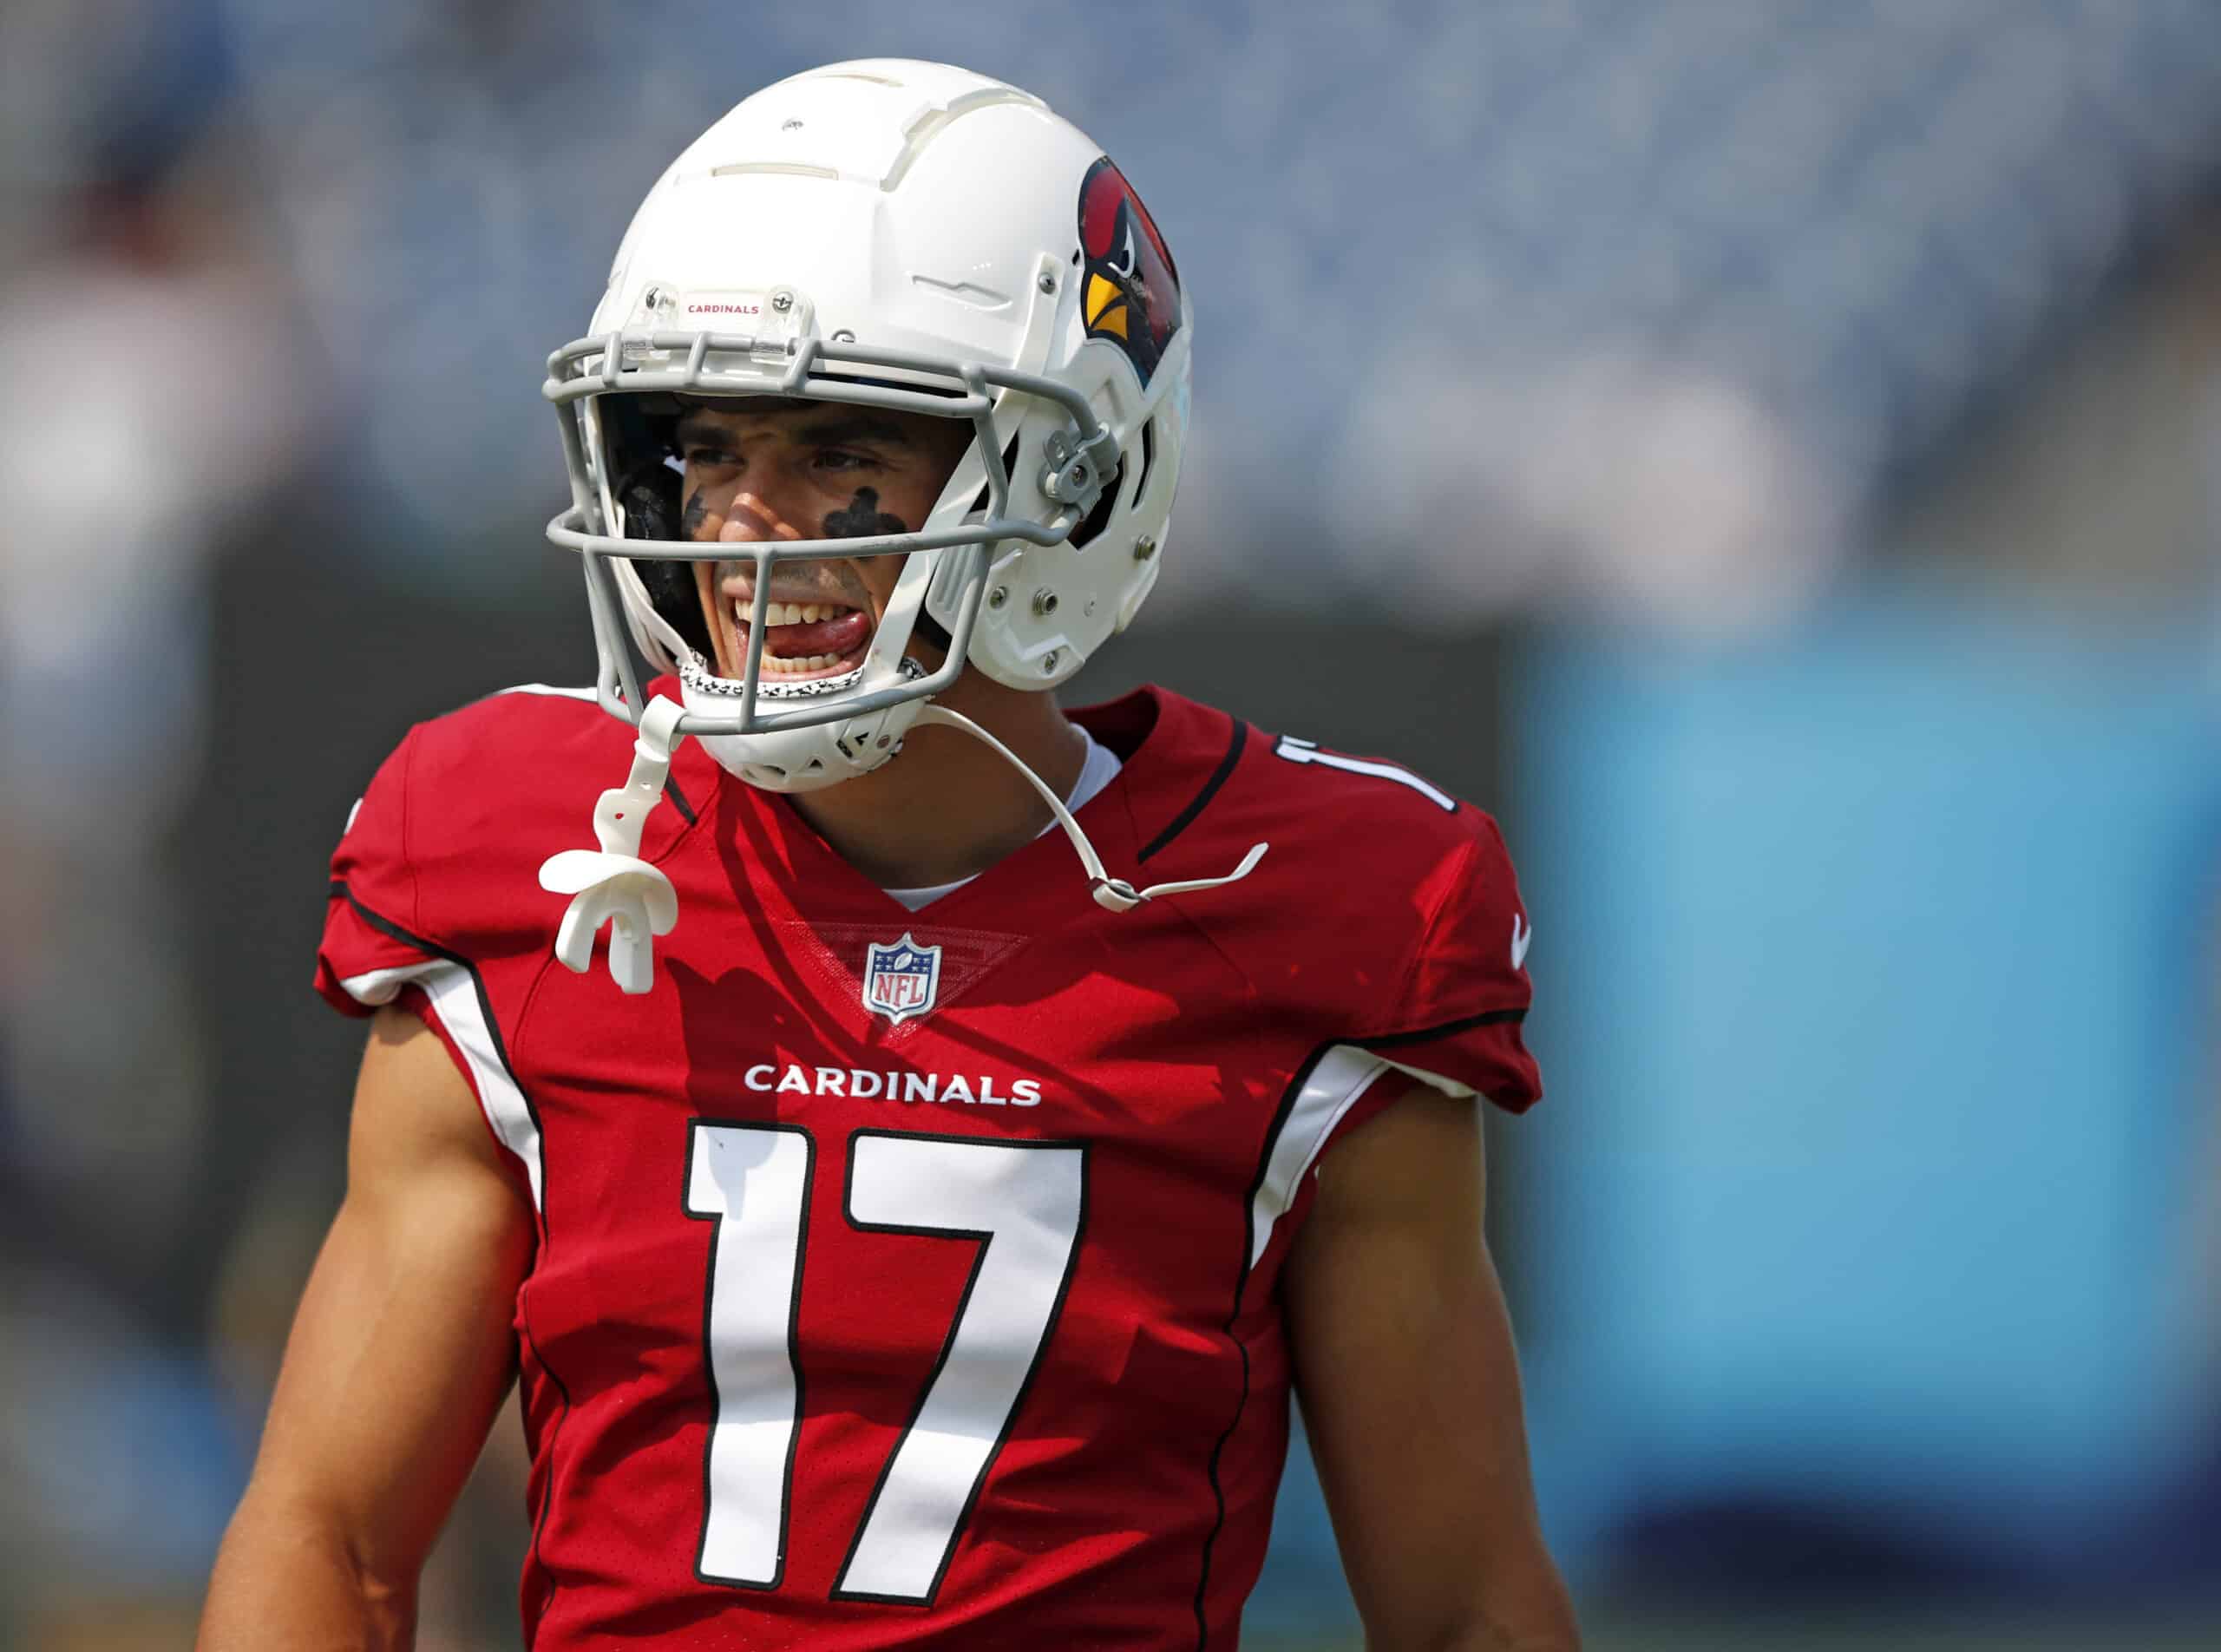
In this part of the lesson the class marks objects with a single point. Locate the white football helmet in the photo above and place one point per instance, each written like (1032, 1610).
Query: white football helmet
(895, 234)
(898, 234)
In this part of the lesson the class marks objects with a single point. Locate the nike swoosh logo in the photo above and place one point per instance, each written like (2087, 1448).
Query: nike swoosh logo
(1521, 935)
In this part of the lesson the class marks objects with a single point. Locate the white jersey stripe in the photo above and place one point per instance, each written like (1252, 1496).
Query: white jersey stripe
(1297, 751)
(454, 993)
(1336, 1080)
(1339, 1077)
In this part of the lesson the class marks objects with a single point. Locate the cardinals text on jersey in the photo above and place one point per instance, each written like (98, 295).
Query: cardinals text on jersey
(871, 1312)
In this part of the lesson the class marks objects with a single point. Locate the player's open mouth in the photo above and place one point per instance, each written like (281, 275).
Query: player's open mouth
(804, 640)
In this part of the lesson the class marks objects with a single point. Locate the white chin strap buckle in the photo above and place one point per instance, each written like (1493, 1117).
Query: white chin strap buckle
(613, 885)
(1113, 894)
(1116, 895)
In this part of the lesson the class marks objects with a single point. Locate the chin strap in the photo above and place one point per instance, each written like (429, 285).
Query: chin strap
(1115, 895)
(613, 885)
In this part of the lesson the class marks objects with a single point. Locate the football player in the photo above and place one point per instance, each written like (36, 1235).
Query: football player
(903, 1237)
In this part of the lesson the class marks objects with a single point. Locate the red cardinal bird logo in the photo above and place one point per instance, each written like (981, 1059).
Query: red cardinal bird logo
(1131, 294)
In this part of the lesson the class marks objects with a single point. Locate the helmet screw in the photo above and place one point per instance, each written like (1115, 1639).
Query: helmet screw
(1076, 475)
(1144, 548)
(1048, 282)
(783, 302)
(1045, 602)
(844, 337)
(1049, 662)
(996, 597)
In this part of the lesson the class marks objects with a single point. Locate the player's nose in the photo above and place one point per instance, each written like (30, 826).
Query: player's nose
(753, 519)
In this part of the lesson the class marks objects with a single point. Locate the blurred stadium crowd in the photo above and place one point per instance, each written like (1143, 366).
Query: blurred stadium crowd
(1769, 454)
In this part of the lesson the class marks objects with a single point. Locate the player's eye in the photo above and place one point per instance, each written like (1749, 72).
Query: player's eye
(702, 457)
(840, 459)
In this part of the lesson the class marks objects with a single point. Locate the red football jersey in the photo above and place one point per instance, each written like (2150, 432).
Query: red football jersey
(910, 1279)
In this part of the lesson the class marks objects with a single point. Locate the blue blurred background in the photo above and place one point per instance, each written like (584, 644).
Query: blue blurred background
(1768, 454)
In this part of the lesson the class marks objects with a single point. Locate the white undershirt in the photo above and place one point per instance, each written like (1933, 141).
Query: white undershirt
(1099, 771)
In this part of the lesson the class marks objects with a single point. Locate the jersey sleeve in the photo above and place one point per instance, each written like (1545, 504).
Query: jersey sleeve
(1455, 1026)
(1458, 1022)
(374, 941)
(378, 948)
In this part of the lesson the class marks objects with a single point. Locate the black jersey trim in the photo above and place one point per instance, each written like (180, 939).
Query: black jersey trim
(1281, 1114)
(1186, 817)
(1428, 1034)
(393, 931)
(554, 1433)
(1302, 1077)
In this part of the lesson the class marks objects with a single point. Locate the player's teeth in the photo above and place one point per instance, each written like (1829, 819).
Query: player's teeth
(789, 613)
(801, 663)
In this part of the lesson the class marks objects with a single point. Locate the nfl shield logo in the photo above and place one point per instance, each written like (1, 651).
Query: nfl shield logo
(900, 980)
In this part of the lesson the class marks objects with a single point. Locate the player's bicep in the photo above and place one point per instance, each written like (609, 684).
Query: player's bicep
(402, 1350)
(1410, 1386)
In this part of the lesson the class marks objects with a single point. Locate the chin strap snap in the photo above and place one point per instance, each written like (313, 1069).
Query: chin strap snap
(613, 885)
(1113, 894)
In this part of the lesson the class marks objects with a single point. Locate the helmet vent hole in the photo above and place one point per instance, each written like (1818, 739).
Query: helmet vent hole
(1149, 457)
(1099, 518)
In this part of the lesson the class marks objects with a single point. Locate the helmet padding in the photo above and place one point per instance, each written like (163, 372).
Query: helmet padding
(648, 494)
